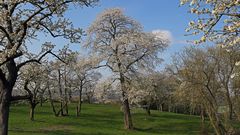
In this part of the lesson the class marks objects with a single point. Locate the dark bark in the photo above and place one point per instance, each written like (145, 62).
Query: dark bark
(41, 100)
(161, 107)
(6, 85)
(148, 110)
(32, 100)
(4, 108)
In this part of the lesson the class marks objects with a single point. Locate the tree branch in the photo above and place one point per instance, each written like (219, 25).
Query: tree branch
(6, 33)
(136, 60)
(16, 98)
(3, 77)
(39, 59)
(18, 54)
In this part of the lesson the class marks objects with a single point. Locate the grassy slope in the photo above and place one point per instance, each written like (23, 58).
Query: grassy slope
(100, 120)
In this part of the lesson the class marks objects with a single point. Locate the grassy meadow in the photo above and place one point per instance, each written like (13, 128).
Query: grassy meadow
(99, 119)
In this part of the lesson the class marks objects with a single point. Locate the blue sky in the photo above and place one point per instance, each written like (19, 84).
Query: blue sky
(152, 14)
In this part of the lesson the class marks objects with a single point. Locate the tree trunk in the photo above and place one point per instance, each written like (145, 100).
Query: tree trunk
(148, 110)
(126, 109)
(61, 93)
(202, 115)
(65, 93)
(5, 96)
(61, 109)
(215, 120)
(77, 111)
(32, 111)
(89, 99)
(229, 102)
(230, 107)
(217, 125)
(79, 106)
(41, 101)
(127, 115)
(161, 107)
(52, 103)
(66, 107)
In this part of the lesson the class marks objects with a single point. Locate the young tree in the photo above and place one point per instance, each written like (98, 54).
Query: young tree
(142, 92)
(20, 21)
(55, 88)
(34, 78)
(107, 91)
(65, 72)
(84, 76)
(123, 47)
(226, 59)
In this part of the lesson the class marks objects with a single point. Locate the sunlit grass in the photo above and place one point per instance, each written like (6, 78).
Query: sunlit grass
(100, 120)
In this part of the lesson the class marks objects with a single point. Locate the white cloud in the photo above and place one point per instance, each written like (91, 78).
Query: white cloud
(163, 34)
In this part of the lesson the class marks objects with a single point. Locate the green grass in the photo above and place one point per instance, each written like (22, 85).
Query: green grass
(100, 120)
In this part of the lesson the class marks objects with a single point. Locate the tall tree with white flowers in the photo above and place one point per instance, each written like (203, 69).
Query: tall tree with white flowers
(124, 48)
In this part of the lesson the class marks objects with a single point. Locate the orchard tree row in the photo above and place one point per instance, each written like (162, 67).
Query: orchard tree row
(202, 81)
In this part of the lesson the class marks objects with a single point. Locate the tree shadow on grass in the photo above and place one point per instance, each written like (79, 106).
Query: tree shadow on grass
(53, 132)
(168, 130)
(90, 120)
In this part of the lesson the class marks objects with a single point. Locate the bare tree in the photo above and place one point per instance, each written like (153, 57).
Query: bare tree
(226, 59)
(203, 82)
